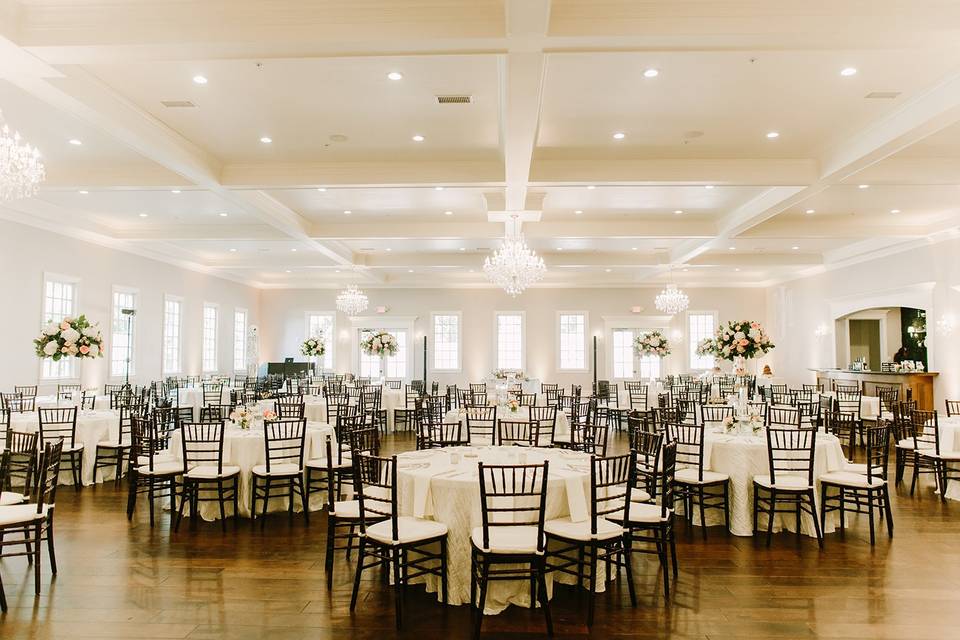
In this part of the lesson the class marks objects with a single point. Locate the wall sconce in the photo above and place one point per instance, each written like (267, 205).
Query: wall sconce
(821, 330)
(946, 324)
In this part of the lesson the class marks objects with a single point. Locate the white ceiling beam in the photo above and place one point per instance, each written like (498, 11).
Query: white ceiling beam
(826, 226)
(583, 169)
(756, 260)
(485, 170)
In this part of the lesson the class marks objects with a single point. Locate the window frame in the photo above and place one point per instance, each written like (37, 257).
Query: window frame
(331, 353)
(48, 276)
(216, 338)
(523, 339)
(433, 339)
(586, 342)
(692, 348)
(163, 335)
(233, 331)
(134, 330)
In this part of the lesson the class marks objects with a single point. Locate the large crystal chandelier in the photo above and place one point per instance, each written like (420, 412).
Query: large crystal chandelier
(352, 301)
(21, 169)
(671, 300)
(513, 266)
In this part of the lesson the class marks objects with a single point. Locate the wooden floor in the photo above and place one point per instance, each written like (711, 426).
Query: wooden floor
(126, 580)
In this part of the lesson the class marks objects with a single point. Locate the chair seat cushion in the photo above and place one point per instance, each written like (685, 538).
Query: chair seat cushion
(691, 476)
(409, 530)
(282, 469)
(785, 481)
(321, 463)
(8, 498)
(646, 513)
(210, 471)
(850, 479)
(519, 540)
(170, 467)
(943, 455)
(639, 495)
(113, 444)
(350, 509)
(566, 528)
(21, 513)
(905, 443)
(73, 448)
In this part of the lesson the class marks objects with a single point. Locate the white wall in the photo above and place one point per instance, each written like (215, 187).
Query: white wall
(924, 278)
(284, 312)
(26, 253)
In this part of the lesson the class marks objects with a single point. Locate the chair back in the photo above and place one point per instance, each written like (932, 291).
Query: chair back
(849, 401)
(790, 452)
(365, 440)
(661, 477)
(524, 433)
(592, 439)
(783, 416)
(609, 486)
(212, 392)
(289, 407)
(646, 447)
(925, 427)
(375, 479)
(202, 445)
(513, 496)
(689, 441)
(953, 408)
(23, 451)
(714, 414)
(547, 418)
(877, 439)
(58, 423)
(447, 434)
(44, 493)
(283, 441)
(481, 424)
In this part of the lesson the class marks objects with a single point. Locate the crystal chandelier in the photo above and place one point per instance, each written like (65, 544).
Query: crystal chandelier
(352, 301)
(21, 169)
(671, 300)
(513, 266)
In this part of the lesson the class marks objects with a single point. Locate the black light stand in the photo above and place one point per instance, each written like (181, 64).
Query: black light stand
(130, 313)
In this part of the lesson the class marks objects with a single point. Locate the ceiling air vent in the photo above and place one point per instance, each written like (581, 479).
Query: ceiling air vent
(882, 95)
(177, 104)
(454, 99)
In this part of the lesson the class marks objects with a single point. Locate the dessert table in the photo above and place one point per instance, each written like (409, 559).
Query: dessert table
(522, 414)
(92, 427)
(245, 448)
(444, 485)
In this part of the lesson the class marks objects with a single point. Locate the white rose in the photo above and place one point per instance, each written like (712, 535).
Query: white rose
(754, 334)
(51, 329)
(50, 348)
(70, 336)
(94, 350)
(91, 332)
(739, 335)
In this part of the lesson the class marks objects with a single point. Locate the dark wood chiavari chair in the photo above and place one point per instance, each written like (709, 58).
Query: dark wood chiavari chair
(282, 472)
(481, 424)
(318, 471)
(289, 407)
(61, 424)
(153, 470)
(447, 434)
(844, 427)
(953, 408)
(790, 455)
(546, 417)
(903, 438)
(784, 416)
(111, 453)
(524, 433)
(929, 457)
(403, 416)
(22, 464)
(646, 445)
(697, 486)
(510, 544)
(889, 397)
(17, 402)
(204, 471)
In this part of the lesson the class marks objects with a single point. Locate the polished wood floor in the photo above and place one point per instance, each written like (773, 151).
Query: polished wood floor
(126, 580)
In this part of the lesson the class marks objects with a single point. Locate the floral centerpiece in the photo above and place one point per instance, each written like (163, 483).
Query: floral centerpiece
(269, 414)
(513, 405)
(313, 346)
(71, 337)
(652, 344)
(242, 417)
(707, 347)
(741, 339)
(379, 343)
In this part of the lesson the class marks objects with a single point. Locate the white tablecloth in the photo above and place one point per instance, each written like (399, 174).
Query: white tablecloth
(949, 443)
(193, 397)
(92, 427)
(50, 402)
(244, 448)
(869, 406)
(743, 457)
(315, 407)
(561, 429)
(429, 485)
(654, 389)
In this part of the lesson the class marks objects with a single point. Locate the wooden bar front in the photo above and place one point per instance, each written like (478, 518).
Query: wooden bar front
(919, 383)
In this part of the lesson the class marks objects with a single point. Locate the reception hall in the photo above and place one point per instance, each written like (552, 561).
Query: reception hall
(479, 319)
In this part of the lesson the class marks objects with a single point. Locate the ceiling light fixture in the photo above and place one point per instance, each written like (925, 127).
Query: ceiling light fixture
(233, 250)
(773, 134)
(513, 266)
(671, 300)
(395, 75)
(347, 212)
(75, 142)
(199, 79)
(633, 248)
(294, 250)
(266, 140)
(651, 73)
(678, 212)
(143, 215)
(848, 71)
(83, 192)
(808, 211)
(418, 138)
(288, 271)
(448, 213)
(591, 186)
(463, 248)
(608, 270)
(321, 189)
(389, 249)
(438, 188)
(175, 191)
(794, 248)
(352, 301)
(732, 248)
(894, 210)
(619, 135)
(224, 214)
(409, 270)
(708, 186)
(863, 186)
(578, 212)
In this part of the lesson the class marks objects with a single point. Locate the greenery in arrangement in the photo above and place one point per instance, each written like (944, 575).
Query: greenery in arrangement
(313, 346)
(70, 338)
(652, 344)
(739, 339)
(379, 343)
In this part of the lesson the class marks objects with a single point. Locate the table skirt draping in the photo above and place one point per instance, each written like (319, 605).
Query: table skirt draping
(430, 485)
(245, 448)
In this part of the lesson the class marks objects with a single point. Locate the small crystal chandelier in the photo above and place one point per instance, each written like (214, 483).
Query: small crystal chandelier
(352, 301)
(514, 267)
(21, 169)
(671, 300)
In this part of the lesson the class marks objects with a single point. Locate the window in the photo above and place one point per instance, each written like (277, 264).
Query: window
(572, 341)
(59, 302)
(446, 342)
(211, 316)
(240, 340)
(623, 353)
(322, 324)
(700, 326)
(122, 332)
(649, 367)
(396, 364)
(510, 340)
(172, 324)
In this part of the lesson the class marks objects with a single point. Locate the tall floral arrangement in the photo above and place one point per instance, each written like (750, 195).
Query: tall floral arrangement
(70, 338)
(313, 346)
(741, 339)
(707, 347)
(379, 343)
(652, 344)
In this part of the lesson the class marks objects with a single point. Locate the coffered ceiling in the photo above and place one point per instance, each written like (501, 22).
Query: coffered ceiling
(312, 144)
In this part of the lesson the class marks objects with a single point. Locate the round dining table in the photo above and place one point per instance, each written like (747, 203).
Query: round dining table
(93, 426)
(949, 428)
(245, 448)
(444, 485)
(561, 430)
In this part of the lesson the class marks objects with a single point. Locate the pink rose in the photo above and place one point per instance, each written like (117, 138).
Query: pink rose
(84, 349)
(754, 325)
(64, 325)
(744, 342)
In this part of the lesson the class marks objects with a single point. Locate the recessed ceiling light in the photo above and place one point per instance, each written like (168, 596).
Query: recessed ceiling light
(578, 211)
(83, 192)
(224, 214)
(651, 73)
(708, 186)
(848, 71)
(448, 213)
(463, 248)
(294, 250)
(143, 215)
(591, 186)
(619, 135)
(199, 79)
(438, 188)
(810, 211)
(409, 270)
(732, 248)
(75, 142)
(794, 248)
(737, 269)
(418, 138)
(685, 270)
(559, 248)
(233, 250)
(773, 134)
(395, 75)
(678, 212)
(894, 210)
(389, 249)
(608, 270)
(633, 248)
(321, 189)
(336, 270)
(266, 140)
(347, 212)
(863, 186)
(288, 271)
(175, 191)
